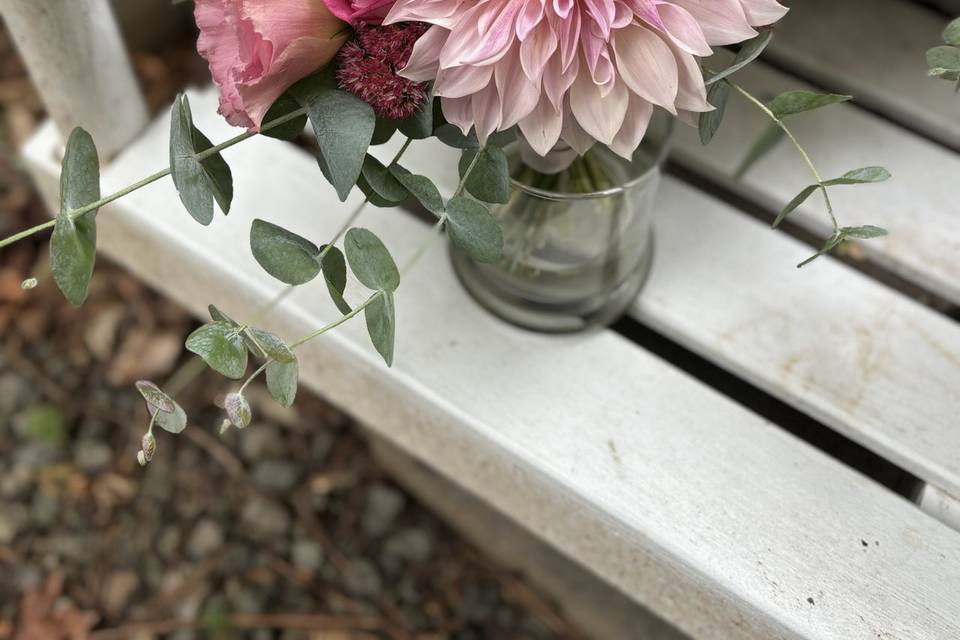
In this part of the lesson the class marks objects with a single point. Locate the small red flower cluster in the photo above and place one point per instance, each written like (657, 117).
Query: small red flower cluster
(367, 67)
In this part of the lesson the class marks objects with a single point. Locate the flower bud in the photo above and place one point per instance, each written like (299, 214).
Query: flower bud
(238, 410)
(142, 459)
(149, 446)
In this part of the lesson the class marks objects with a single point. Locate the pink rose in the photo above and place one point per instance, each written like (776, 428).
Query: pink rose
(356, 11)
(257, 49)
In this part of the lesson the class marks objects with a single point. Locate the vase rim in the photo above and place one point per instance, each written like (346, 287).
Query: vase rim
(658, 161)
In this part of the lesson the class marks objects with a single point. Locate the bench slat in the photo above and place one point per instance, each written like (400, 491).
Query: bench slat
(719, 521)
(873, 49)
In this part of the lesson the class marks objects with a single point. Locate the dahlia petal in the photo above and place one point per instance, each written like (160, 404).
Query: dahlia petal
(575, 135)
(536, 49)
(722, 21)
(763, 12)
(524, 94)
(647, 65)
(684, 30)
(459, 112)
(459, 82)
(634, 127)
(424, 60)
(541, 127)
(486, 112)
(599, 115)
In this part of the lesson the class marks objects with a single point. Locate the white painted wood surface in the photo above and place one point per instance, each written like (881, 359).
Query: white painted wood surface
(873, 49)
(717, 520)
(77, 60)
(918, 206)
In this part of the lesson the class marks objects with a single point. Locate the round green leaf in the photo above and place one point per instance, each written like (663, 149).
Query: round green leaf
(421, 188)
(489, 179)
(283, 254)
(174, 422)
(73, 246)
(381, 325)
(290, 130)
(221, 347)
(335, 275)
(382, 181)
(370, 261)
(282, 381)
(272, 345)
(154, 396)
(474, 230)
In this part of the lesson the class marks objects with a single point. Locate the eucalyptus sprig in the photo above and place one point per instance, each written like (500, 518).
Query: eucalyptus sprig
(345, 128)
(777, 110)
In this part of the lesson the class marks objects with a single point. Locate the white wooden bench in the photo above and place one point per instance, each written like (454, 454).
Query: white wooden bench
(659, 455)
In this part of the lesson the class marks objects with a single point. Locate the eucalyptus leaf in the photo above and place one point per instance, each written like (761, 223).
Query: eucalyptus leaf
(154, 397)
(291, 130)
(198, 183)
(272, 345)
(452, 136)
(217, 315)
(421, 188)
(749, 51)
(944, 57)
(174, 421)
(828, 246)
(382, 181)
(73, 245)
(221, 347)
(865, 232)
(344, 126)
(799, 199)
(370, 260)
(862, 175)
(474, 230)
(373, 197)
(709, 121)
(282, 380)
(794, 102)
(489, 179)
(283, 254)
(383, 131)
(381, 325)
(951, 35)
(335, 275)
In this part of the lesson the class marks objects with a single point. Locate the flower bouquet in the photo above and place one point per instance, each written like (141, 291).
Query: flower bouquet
(562, 112)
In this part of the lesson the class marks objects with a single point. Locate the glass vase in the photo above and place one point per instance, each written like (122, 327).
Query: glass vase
(577, 234)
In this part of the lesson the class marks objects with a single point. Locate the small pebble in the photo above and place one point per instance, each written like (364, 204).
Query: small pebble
(205, 539)
(383, 505)
(306, 555)
(362, 579)
(117, 590)
(274, 476)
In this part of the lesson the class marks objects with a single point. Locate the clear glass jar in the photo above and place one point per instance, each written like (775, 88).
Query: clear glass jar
(577, 236)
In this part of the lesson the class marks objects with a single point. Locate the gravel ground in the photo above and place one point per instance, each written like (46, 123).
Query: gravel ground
(287, 529)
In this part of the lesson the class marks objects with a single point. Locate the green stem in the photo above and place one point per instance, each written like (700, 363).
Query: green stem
(203, 155)
(796, 143)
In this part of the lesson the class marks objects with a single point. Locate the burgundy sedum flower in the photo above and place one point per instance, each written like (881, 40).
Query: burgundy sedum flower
(368, 64)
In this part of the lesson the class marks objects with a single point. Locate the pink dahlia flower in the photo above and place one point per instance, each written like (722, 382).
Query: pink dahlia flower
(360, 11)
(573, 70)
(257, 49)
